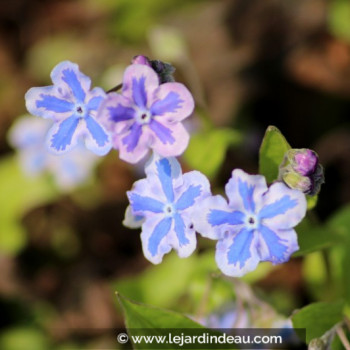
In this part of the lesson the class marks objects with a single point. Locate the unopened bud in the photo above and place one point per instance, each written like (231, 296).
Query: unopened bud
(140, 59)
(301, 170)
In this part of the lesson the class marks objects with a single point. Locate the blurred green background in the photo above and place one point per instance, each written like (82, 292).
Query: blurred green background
(249, 64)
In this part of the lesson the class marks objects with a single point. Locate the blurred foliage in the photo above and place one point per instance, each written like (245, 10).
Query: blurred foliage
(207, 150)
(19, 193)
(338, 17)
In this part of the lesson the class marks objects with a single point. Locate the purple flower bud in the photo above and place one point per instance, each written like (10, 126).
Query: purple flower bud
(305, 161)
(140, 59)
(301, 170)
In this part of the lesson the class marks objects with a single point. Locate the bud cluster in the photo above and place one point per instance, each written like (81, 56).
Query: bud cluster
(301, 170)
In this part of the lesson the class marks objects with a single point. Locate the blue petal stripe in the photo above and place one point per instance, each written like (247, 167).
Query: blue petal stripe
(170, 104)
(139, 92)
(275, 244)
(142, 203)
(160, 231)
(64, 134)
(164, 174)
(54, 104)
(73, 82)
(278, 207)
(188, 198)
(220, 217)
(132, 139)
(162, 132)
(240, 249)
(121, 113)
(96, 131)
(95, 102)
(180, 230)
(246, 193)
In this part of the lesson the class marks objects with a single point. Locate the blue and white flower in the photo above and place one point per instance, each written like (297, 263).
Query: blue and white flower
(163, 204)
(69, 170)
(73, 108)
(255, 225)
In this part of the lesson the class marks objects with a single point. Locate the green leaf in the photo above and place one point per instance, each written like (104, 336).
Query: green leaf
(145, 316)
(18, 193)
(206, 151)
(318, 318)
(140, 316)
(338, 19)
(272, 151)
(313, 237)
(311, 201)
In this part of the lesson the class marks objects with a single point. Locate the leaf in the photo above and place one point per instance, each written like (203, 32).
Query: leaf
(206, 151)
(272, 151)
(139, 317)
(311, 201)
(177, 279)
(313, 237)
(318, 318)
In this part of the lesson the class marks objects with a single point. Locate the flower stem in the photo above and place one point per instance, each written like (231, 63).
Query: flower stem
(343, 338)
(116, 88)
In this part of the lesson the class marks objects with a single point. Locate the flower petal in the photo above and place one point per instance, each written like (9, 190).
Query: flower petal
(141, 204)
(180, 136)
(202, 214)
(134, 144)
(95, 98)
(97, 139)
(43, 102)
(283, 208)
(163, 133)
(67, 76)
(154, 238)
(236, 254)
(131, 220)
(151, 169)
(164, 175)
(172, 102)
(277, 245)
(244, 191)
(185, 241)
(139, 83)
(195, 187)
(63, 136)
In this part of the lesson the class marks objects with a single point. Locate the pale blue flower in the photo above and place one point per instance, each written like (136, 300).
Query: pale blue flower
(69, 170)
(255, 225)
(163, 204)
(73, 108)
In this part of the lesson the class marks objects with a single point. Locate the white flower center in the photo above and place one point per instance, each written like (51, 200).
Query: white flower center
(169, 209)
(80, 110)
(143, 117)
(252, 221)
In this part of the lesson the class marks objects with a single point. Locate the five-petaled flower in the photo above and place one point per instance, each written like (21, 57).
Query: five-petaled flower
(69, 170)
(256, 225)
(163, 204)
(73, 108)
(147, 115)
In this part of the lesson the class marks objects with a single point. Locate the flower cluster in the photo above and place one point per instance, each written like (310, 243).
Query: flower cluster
(256, 224)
